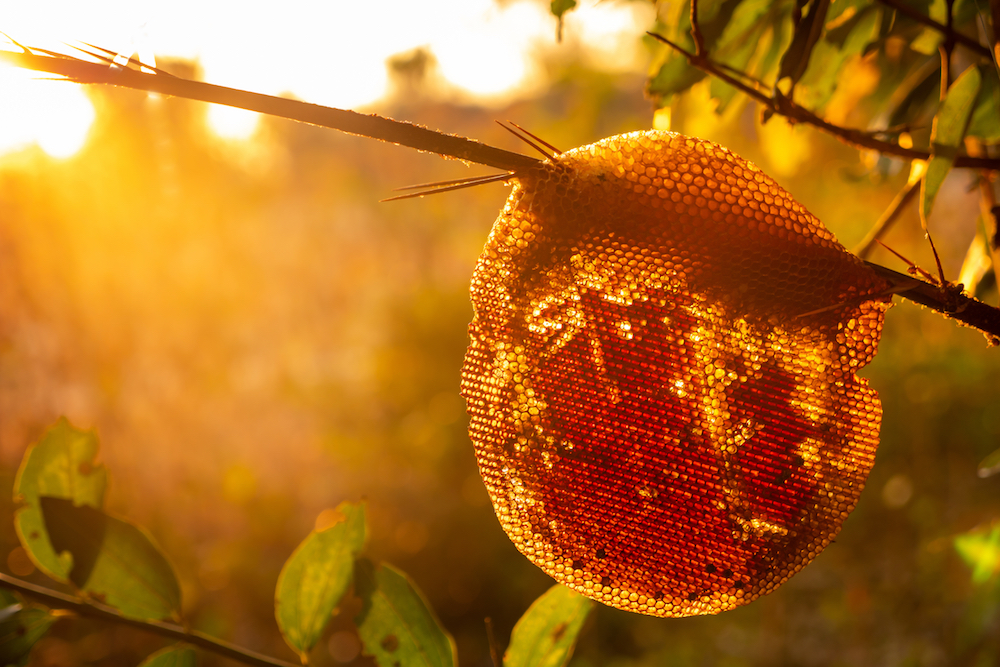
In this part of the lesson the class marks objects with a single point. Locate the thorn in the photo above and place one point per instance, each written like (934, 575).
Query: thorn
(448, 186)
(527, 140)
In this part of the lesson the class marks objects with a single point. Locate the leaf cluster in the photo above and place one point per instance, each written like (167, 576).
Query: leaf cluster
(117, 570)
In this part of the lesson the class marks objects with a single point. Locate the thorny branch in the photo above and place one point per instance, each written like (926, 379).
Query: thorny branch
(946, 299)
(373, 126)
(943, 300)
(57, 600)
(784, 106)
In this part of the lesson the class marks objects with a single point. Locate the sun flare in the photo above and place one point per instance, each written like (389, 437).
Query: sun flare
(54, 115)
(485, 52)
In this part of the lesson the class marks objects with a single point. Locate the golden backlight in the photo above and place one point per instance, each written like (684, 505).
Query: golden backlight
(53, 114)
(336, 57)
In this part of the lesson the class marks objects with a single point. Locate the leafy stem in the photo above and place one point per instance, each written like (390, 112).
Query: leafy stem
(777, 103)
(83, 607)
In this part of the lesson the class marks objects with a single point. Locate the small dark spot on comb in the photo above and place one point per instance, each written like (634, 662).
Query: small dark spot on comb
(727, 573)
(692, 597)
(601, 553)
(577, 565)
(739, 585)
(711, 569)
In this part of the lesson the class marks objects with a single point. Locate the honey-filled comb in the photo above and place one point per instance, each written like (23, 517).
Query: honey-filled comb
(662, 375)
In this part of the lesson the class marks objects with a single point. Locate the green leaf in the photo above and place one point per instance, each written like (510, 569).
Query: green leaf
(20, 628)
(833, 52)
(61, 465)
(178, 655)
(985, 121)
(738, 43)
(673, 73)
(807, 34)
(113, 561)
(546, 635)
(980, 549)
(396, 625)
(560, 7)
(947, 134)
(316, 576)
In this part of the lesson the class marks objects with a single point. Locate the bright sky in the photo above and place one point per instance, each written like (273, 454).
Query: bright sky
(330, 52)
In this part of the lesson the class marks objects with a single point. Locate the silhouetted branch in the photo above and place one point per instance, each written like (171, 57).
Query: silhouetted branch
(784, 106)
(372, 126)
(948, 301)
(57, 600)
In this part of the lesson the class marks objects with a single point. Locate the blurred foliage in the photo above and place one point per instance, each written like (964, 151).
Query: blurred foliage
(257, 340)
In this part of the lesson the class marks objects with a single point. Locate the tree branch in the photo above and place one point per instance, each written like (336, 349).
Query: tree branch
(372, 126)
(784, 106)
(948, 32)
(92, 609)
(890, 215)
(948, 301)
(699, 39)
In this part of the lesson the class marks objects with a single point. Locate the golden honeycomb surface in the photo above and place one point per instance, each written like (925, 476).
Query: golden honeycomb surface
(662, 379)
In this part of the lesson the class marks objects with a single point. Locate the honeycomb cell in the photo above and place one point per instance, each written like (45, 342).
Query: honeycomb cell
(663, 393)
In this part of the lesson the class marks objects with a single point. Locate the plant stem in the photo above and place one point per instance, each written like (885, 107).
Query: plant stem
(784, 106)
(890, 215)
(947, 31)
(93, 609)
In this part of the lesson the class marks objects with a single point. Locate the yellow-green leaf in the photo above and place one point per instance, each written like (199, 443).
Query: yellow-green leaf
(546, 635)
(178, 655)
(20, 628)
(560, 7)
(947, 134)
(61, 465)
(113, 561)
(985, 121)
(316, 576)
(980, 549)
(396, 625)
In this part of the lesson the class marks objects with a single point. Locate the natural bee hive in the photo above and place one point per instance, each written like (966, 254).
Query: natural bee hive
(662, 375)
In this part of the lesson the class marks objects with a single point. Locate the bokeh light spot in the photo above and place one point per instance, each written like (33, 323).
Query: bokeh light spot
(232, 123)
(52, 114)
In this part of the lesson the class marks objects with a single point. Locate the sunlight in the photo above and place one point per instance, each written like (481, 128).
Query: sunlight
(486, 51)
(503, 39)
(232, 123)
(52, 114)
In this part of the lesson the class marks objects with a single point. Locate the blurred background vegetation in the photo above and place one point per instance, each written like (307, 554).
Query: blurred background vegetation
(256, 339)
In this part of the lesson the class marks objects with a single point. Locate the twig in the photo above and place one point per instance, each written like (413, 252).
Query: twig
(699, 39)
(885, 221)
(948, 32)
(372, 126)
(784, 106)
(949, 302)
(491, 637)
(82, 607)
(995, 51)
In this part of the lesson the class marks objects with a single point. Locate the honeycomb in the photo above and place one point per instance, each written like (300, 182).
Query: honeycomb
(662, 375)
